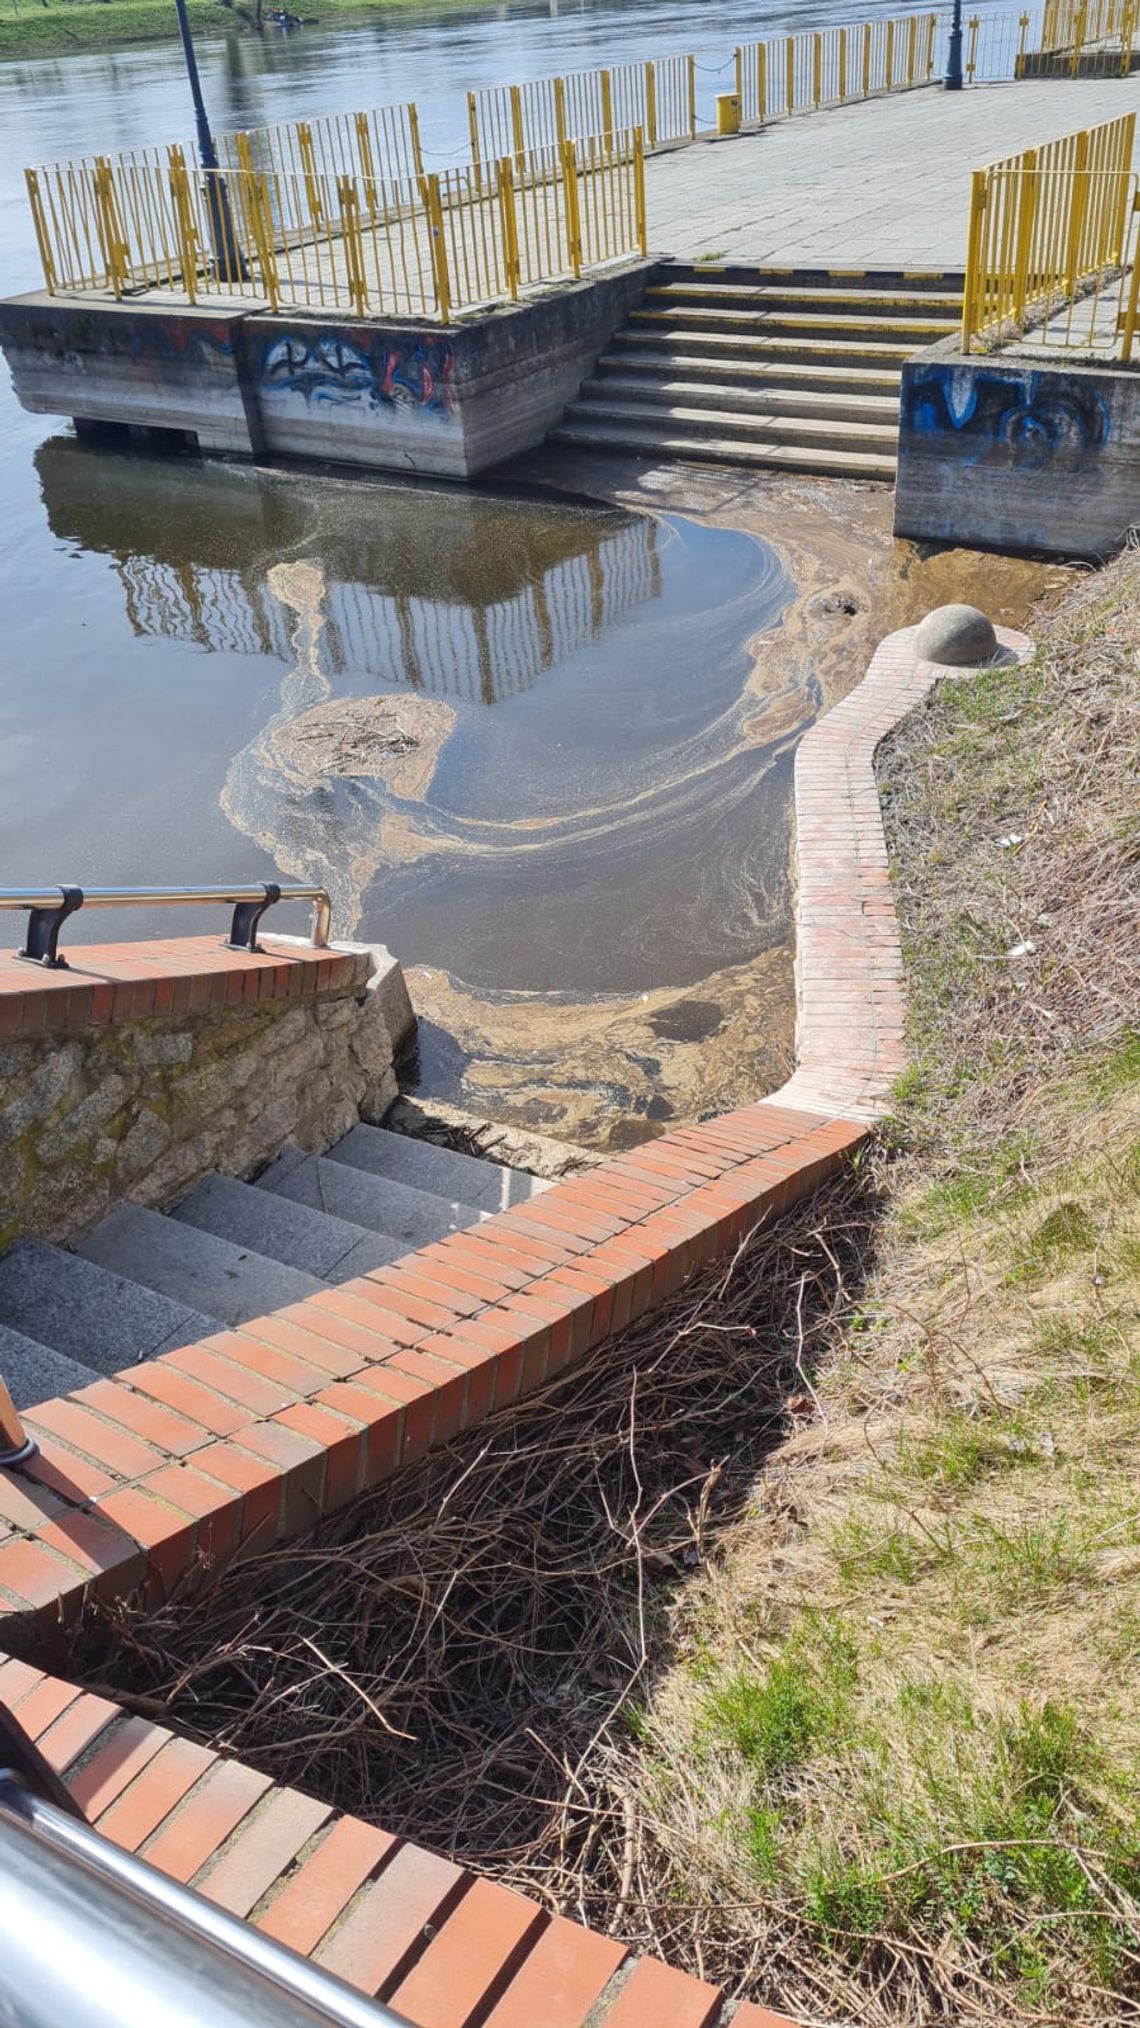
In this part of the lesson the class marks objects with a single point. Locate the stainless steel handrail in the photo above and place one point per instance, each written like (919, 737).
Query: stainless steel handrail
(49, 907)
(94, 1938)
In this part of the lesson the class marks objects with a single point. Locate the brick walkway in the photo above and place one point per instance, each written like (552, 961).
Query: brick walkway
(884, 183)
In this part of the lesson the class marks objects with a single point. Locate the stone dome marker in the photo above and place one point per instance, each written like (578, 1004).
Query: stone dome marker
(958, 635)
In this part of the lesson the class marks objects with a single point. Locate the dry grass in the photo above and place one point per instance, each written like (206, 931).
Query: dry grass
(799, 1641)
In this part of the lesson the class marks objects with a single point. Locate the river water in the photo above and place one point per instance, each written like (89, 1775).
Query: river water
(524, 738)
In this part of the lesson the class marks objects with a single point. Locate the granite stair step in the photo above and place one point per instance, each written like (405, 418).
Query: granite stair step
(228, 1283)
(413, 1217)
(101, 1317)
(330, 1248)
(442, 1172)
(33, 1372)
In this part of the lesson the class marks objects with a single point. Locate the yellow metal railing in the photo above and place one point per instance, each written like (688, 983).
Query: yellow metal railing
(312, 237)
(658, 96)
(830, 66)
(381, 146)
(1080, 38)
(1047, 236)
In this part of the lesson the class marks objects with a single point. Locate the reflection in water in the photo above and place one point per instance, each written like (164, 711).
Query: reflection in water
(481, 651)
(617, 822)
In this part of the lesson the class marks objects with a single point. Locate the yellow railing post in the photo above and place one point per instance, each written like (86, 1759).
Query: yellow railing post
(111, 242)
(842, 65)
(352, 241)
(972, 49)
(1128, 324)
(762, 82)
(816, 69)
(691, 67)
(509, 224)
(973, 257)
(890, 58)
(259, 212)
(189, 252)
(1026, 216)
(1078, 207)
(473, 130)
(1124, 175)
(651, 101)
(367, 164)
(911, 45)
(243, 152)
(1078, 39)
(1023, 32)
(866, 59)
(639, 193)
(441, 279)
(518, 138)
(559, 112)
(571, 208)
(607, 105)
(43, 238)
(738, 74)
(309, 173)
(790, 74)
(414, 138)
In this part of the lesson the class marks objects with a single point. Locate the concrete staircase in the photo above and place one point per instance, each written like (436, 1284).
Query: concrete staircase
(794, 369)
(144, 1282)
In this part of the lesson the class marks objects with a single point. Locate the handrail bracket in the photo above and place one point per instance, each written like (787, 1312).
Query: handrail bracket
(44, 925)
(247, 915)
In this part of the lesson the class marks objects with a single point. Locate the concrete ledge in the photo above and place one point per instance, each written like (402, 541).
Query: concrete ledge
(385, 393)
(1016, 452)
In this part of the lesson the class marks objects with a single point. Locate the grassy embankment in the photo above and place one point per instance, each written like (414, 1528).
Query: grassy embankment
(47, 27)
(903, 1737)
(795, 1636)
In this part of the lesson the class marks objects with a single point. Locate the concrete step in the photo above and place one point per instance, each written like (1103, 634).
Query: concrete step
(668, 390)
(838, 302)
(824, 281)
(329, 1248)
(34, 1373)
(911, 333)
(763, 427)
(655, 443)
(227, 1282)
(706, 359)
(442, 1172)
(413, 1217)
(747, 345)
(101, 1318)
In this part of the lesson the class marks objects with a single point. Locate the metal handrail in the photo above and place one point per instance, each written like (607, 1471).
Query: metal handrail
(95, 1938)
(49, 907)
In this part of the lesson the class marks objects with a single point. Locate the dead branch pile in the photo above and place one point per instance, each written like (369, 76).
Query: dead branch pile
(450, 1656)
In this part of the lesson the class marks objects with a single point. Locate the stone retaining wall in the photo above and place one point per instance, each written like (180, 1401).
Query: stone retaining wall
(117, 1088)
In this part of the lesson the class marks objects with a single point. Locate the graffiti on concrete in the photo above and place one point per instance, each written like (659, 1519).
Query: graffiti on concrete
(330, 369)
(1029, 418)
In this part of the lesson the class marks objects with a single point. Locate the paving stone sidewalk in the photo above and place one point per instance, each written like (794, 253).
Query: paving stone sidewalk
(883, 183)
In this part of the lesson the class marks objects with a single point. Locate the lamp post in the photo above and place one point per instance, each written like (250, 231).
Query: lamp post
(228, 263)
(953, 79)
